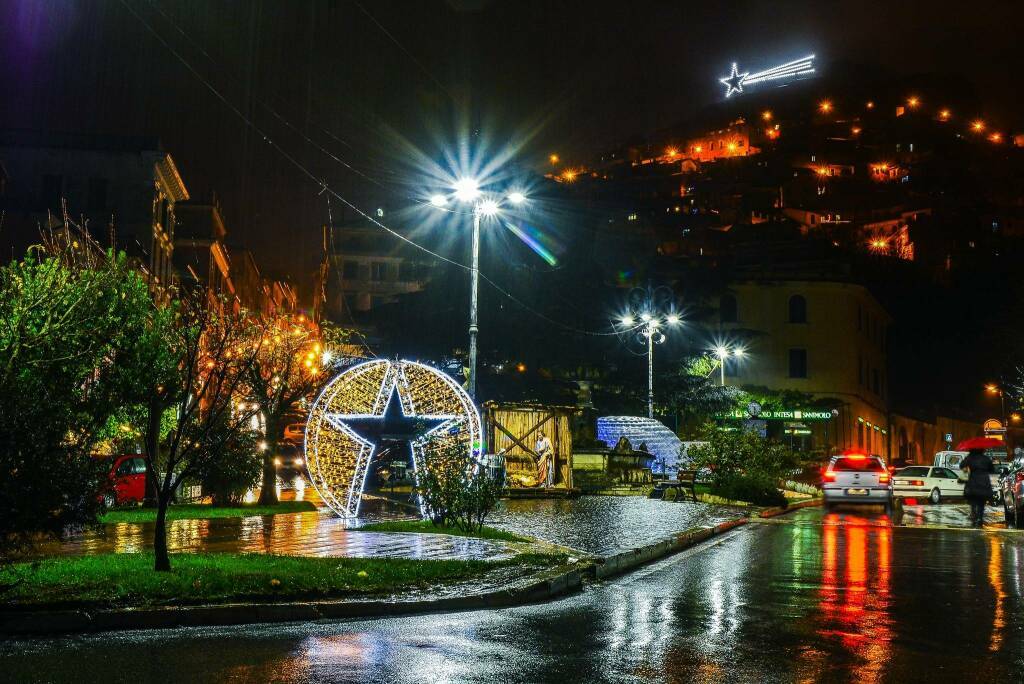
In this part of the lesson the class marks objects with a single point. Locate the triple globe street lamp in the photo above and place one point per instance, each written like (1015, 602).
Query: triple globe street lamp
(467, 191)
(649, 330)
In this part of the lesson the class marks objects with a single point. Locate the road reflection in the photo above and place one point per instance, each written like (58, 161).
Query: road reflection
(855, 593)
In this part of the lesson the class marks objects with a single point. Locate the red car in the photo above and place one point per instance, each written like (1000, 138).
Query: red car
(128, 477)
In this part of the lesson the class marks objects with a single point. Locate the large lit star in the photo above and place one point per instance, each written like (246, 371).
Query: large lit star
(394, 425)
(734, 82)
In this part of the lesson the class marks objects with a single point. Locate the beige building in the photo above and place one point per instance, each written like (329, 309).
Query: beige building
(826, 339)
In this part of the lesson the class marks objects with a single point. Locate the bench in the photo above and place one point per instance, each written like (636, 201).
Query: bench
(685, 479)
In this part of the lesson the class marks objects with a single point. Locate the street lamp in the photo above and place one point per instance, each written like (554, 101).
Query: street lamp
(467, 190)
(997, 389)
(723, 353)
(648, 325)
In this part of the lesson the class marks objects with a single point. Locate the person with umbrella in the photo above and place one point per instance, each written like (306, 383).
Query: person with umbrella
(978, 464)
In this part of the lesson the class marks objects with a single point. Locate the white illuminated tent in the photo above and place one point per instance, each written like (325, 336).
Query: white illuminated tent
(660, 441)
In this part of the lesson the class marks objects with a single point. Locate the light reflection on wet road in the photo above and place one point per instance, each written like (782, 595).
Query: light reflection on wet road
(791, 600)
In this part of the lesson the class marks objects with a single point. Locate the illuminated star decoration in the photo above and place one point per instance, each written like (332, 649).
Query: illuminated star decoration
(380, 404)
(373, 432)
(734, 82)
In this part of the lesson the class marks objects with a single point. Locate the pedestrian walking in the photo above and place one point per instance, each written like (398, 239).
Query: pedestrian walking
(978, 489)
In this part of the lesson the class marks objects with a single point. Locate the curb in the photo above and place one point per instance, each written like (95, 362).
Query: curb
(545, 586)
(627, 560)
(772, 512)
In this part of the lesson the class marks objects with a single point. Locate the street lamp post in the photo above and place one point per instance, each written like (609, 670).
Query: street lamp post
(998, 389)
(723, 353)
(649, 330)
(468, 190)
(474, 278)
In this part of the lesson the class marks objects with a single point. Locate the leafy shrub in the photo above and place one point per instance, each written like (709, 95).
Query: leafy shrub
(758, 490)
(451, 496)
(744, 466)
(232, 472)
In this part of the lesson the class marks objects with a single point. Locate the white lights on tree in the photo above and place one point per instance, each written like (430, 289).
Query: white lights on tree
(385, 402)
(736, 80)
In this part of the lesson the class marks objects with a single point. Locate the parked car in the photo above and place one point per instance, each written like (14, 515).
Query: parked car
(128, 480)
(1011, 486)
(289, 459)
(953, 459)
(295, 433)
(927, 482)
(857, 479)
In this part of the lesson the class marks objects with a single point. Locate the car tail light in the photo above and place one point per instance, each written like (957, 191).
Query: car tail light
(829, 476)
(916, 483)
(883, 477)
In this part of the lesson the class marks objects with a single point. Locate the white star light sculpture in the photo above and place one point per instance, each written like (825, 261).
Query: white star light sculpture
(385, 401)
(735, 81)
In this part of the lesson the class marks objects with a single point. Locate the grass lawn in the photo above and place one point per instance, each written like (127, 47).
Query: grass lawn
(198, 511)
(128, 579)
(427, 527)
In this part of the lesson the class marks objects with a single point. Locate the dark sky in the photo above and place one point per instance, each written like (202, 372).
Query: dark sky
(379, 83)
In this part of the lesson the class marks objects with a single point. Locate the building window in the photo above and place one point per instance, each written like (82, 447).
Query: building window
(797, 309)
(860, 370)
(876, 385)
(798, 363)
(350, 270)
(860, 435)
(97, 199)
(728, 311)
(378, 270)
(405, 271)
(860, 318)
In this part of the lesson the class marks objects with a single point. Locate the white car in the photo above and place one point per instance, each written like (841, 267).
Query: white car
(856, 479)
(927, 482)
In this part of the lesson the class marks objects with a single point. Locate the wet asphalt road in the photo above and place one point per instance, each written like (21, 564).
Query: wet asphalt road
(800, 598)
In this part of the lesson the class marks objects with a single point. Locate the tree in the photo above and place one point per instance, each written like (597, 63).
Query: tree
(70, 326)
(285, 371)
(691, 391)
(197, 360)
(743, 465)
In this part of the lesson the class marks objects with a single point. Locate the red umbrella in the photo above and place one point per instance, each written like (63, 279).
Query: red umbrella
(979, 443)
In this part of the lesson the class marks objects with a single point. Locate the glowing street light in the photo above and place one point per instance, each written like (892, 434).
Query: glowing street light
(467, 190)
(648, 325)
(825, 107)
(723, 352)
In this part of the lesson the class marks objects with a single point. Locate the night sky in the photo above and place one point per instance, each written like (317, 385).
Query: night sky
(377, 84)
